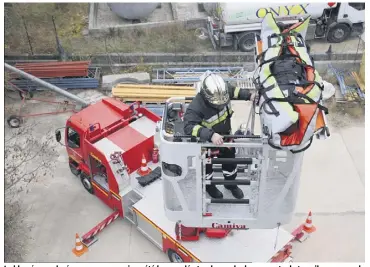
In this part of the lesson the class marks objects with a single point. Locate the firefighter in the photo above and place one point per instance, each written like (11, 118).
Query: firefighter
(208, 117)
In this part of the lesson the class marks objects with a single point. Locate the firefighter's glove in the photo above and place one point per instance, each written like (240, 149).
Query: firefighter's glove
(217, 139)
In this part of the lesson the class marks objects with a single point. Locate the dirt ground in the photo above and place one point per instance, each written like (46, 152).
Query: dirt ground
(332, 186)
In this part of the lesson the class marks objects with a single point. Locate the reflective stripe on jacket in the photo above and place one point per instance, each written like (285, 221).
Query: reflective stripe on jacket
(202, 120)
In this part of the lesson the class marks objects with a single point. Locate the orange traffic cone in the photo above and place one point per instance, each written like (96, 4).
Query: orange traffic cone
(144, 169)
(308, 227)
(80, 248)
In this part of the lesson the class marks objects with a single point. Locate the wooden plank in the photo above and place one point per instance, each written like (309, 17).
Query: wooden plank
(151, 95)
(152, 87)
(150, 92)
(158, 92)
(144, 99)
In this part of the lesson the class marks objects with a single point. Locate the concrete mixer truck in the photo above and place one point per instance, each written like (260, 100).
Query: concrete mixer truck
(235, 24)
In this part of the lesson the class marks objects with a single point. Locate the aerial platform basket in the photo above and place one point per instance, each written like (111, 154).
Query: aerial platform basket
(268, 177)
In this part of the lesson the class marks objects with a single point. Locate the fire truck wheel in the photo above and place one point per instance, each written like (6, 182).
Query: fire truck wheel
(174, 257)
(74, 170)
(85, 180)
(14, 121)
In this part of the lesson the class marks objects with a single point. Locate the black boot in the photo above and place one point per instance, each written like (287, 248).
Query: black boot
(213, 191)
(236, 191)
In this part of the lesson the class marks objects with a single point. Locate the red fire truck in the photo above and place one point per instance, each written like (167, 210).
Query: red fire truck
(110, 146)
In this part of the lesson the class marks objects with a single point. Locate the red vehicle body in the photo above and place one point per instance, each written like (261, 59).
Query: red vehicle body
(107, 118)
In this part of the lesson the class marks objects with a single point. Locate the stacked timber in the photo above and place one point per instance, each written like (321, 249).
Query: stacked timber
(151, 93)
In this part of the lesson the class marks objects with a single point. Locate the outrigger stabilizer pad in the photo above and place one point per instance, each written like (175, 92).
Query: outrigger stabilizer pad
(149, 178)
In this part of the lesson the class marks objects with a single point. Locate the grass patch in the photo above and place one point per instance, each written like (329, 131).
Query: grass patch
(169, 39)
(71, 20)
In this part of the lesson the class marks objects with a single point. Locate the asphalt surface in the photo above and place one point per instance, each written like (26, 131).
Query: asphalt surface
(332, 187)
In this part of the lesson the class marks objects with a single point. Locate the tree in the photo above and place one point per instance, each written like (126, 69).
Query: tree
(27, 158)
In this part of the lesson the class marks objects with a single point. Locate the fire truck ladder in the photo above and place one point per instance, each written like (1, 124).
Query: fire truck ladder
(191, 75)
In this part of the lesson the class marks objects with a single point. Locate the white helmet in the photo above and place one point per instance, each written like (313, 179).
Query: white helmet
(214, 89)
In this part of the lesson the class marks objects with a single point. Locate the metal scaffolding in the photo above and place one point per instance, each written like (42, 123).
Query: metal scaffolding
(178, 76)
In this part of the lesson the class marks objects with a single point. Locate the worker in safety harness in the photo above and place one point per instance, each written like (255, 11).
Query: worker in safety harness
(208, 117)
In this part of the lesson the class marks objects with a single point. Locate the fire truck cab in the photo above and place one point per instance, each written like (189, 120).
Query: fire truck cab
(105, 143)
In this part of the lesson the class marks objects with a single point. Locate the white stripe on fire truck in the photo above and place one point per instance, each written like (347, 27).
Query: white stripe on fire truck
(144, 126)
(107, 147)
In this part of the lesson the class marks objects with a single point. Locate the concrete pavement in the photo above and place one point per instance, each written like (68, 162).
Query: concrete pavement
(332, 186)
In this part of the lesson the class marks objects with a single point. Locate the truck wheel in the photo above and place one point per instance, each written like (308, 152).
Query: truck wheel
(86, 182)
(174, 257)
(74, 169)
(247, 42)
(339, 33)
(14, 121)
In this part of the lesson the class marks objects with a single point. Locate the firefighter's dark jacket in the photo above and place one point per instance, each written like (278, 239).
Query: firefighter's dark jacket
(202, 120)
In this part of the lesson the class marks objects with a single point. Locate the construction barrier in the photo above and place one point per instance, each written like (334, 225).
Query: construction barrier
(150, 93)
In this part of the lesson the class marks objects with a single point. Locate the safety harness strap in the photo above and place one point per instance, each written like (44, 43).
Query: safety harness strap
(293, 151)
(295, 100)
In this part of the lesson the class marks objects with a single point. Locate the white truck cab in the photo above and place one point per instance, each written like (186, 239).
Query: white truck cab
(236, 24)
